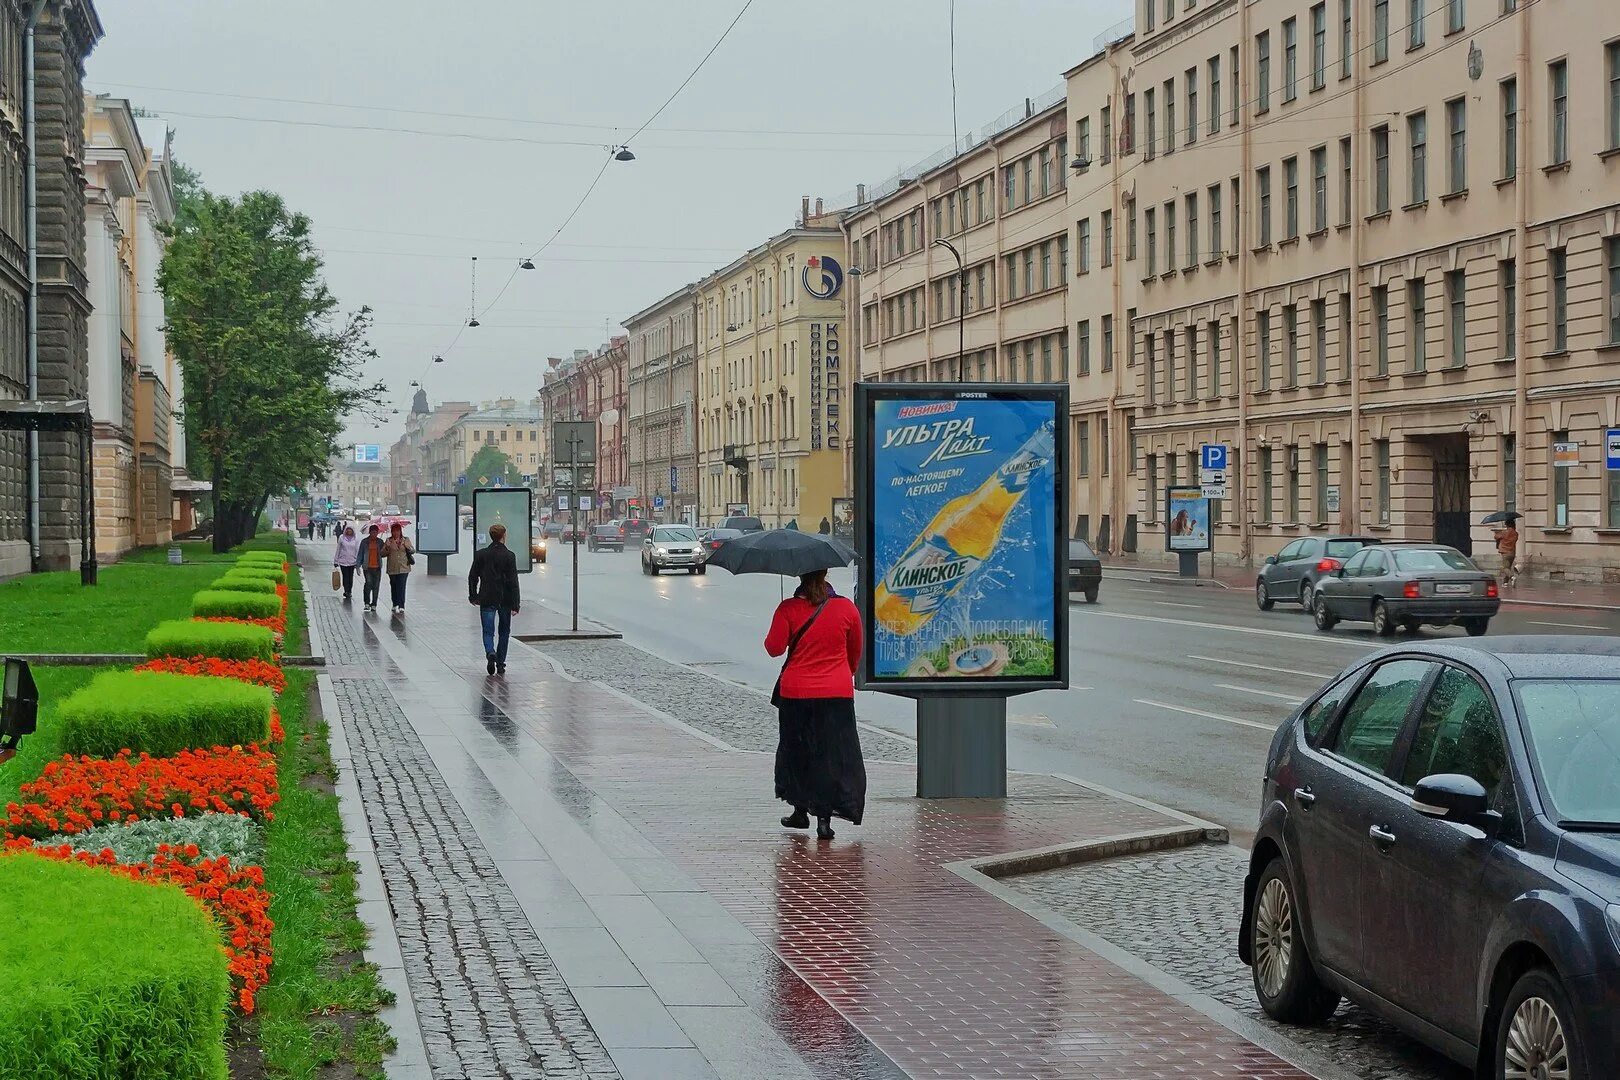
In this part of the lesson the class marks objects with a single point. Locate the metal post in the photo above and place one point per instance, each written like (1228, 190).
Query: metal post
(87, 513)
(573, 517)
(439, 565)
(961, 747)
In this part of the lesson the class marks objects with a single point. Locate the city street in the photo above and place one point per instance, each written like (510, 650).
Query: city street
(1176, 689)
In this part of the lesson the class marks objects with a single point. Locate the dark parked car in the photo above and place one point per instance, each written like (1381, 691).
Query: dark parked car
(743, 524)
(673, 547)
(1085, 570)
(1439, 841)
(711, 539)
(1407, 585)
(608, 537)
(1291, 574)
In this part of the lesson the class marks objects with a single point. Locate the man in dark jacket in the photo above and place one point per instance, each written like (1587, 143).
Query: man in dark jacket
(493, 587)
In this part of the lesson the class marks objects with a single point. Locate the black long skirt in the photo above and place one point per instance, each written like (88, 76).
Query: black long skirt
(818, 758)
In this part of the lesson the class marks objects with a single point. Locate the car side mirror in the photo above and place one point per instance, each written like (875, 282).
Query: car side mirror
(1271, 560)
(1458, 798)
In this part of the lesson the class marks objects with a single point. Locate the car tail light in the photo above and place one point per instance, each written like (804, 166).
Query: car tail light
(1327, 566)
(1491, 590)
(1412, 590)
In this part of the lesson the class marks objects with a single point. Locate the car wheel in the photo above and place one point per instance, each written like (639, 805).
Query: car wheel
(1383, 625)
(1305, 595)
(1476, 627)
(1535, 1035)
(1325, 619)
(1262, 599)
(1091, 595)
(701, 570)
(1284, 979)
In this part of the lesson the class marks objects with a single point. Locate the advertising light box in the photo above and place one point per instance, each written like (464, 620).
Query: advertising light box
(963, 561)
(512, 507)
(1186, 520)
(436, 523)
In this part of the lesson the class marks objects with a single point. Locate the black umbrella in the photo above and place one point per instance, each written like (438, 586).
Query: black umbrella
(1502, 515)
(782, 551)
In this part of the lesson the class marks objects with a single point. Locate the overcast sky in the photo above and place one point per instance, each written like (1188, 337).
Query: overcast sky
(800, 99)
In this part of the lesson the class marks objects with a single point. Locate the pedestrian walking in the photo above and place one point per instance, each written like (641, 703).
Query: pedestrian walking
(826, 527)
(346, 558)
(1507, 546)
(372, 560)
(400, 557)
(819, 770)
(492, 586)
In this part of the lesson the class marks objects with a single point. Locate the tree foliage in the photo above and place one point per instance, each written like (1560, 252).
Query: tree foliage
(271, 367)
(489, 463)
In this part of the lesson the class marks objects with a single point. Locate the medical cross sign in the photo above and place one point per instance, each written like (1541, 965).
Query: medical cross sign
(1212, 456)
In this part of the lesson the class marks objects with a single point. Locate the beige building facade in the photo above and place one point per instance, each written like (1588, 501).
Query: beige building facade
(1379, 260)
(662, 407)
(772, 381)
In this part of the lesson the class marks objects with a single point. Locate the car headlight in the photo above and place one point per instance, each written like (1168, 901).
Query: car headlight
(1612, 917)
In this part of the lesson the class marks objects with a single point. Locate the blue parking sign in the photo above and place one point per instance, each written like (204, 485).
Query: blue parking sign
(1611, 447)
(1212, 456)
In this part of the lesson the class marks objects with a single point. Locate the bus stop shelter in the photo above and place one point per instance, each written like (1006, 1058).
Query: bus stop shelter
(64, 416)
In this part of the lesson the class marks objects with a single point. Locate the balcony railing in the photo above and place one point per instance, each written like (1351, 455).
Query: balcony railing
(736, 455)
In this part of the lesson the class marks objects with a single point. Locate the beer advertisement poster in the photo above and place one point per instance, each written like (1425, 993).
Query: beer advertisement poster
(963, 533)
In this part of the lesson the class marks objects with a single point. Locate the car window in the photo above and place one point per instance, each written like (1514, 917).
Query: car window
(673, 533)
(1339, 549)
(1355, 563)
(1291, 551)
(1324, 708)
(1079, 550)
(1573, 726)
(1458, 732)
(1433, 559)
(1372, 721)
(1373, 565)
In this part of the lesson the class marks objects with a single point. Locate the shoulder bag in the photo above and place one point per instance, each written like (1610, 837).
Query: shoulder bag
(793, 643)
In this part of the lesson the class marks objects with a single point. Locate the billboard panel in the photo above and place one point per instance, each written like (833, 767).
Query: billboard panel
(367, 453)
(1186, 520)
(512, 507)
(437, 523)
(960, 529)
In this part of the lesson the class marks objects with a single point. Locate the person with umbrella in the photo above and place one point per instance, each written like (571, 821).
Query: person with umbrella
(1507, 544)
(819, 768)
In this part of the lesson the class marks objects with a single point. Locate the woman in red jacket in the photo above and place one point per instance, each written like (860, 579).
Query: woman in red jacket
(818, 753)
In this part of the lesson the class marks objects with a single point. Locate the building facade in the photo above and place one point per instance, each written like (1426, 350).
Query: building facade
(1379, 259)
(349, 482)
(594, 384)
(64, 35)
(662, 407)
(772, 385)
(516, 429)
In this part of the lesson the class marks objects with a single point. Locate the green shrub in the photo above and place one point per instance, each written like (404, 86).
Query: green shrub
(272, 558)
(235, 605)
(105, 977)
(162, 713)
(269, 573)
(239, 839)
(228, 641)
(278, 544)
(234, 582)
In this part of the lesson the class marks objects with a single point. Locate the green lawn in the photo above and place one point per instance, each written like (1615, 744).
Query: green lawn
(55, 684)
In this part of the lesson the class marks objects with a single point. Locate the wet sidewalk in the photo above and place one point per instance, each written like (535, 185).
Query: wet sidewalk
(571, 883)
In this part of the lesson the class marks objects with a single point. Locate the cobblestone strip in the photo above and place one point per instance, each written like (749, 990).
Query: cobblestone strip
(490, 1001)
(1179, 911)
(337, 629)
(739, 715)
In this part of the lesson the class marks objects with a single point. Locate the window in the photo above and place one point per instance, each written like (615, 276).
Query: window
(1417, 128)
(1130, 337)
(1414, 19)
(1215, 359)
(1417, 325)
(1150, 144)
(1151, 375)
(1560, 486)
(1347, 332)
(1083, 448)
(1454, 16)
(1083, 343)
(1009, 188)
(1611, 59)
(1152, 16)
(1084, 266)
(1130, 231)
(1380, 136)
(1108, 343)
(1558, 80)
(1214, 94)
(1611, 252)
(1319, 46)
(1169, 116)
(1237, 219)
(1611, 499)
(1319, 342)
(1345, 190)
(1346, 50)
(1102, 443)
(1192, 365)
(1262, 348)
(1381, 456)
(1457, 146)
(1127, 135)
(1262, 63)
(1291, 200)
(1374, 719)
(1046, 171)
(1293, 483)
(1290, 317)
(1237, 102)
(1263, 181)
(1082, 140)
(1380, 47)
(1508, 305)
(1558, 298)
(1107, 250)
(1192, 229)
(1290, 59)
(1458, 732)
(1046, 358)
(1169, 236)
(1323, 709)
(1107, 147)
(1319, 466)
(1380, 307)
(1510, 128)
(1029, 271)
(1191, 79)
(1152, 487)
(1266, 507)
(1319, 194)
(1215, 221)
(1148, 222)
(1457, 317)
(1510, 473)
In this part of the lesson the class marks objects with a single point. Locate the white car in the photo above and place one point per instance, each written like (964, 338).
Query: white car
(672, 547)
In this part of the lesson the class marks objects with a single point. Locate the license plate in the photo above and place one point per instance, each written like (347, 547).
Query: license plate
(1454, 590)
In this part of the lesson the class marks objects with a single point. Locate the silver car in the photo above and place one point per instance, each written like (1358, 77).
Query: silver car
(672, 547)
(1405, 586)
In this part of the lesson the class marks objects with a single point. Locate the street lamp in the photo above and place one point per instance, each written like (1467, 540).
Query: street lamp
(961, 310)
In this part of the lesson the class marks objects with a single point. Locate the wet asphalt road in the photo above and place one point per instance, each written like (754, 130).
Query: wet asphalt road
(1176, 689)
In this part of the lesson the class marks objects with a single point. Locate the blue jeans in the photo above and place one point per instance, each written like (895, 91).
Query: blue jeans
(490, 617)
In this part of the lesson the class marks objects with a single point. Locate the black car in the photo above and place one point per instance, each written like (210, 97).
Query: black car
(743, 524)
(635, 529)
(604, 538)
(1085, 570)
(1439, 841)
(1406, 586)
(711, 539)
(1291, 574)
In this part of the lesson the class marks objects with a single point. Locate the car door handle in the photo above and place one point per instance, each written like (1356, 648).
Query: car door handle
(1381, 836)
(1303, 796)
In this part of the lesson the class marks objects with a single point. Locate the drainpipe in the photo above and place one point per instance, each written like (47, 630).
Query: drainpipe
(1245, 218)
(31, 226)
(1521, 259)
(1352, 339)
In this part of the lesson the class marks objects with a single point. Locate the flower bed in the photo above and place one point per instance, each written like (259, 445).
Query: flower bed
(257, 672)
(227, 640)
(276, 625)
(162, 713)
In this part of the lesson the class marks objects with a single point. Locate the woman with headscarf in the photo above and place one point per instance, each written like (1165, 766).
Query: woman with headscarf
(819, 769)
(399, 556)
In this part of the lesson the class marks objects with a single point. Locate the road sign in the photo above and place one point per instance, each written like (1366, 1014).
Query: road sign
(1566, 455)
(483, 481)
(1611, 440)
(573, 441)
(1212, 476)
(562, 502)
(672, 477)
(585, 503)
(658, 502)
(1213, 491)
(461, 481)
(1212, 456)
(500, 481)
(1333, 498)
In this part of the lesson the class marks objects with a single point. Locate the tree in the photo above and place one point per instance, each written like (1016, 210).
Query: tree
(489, 463)
(271, 368)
